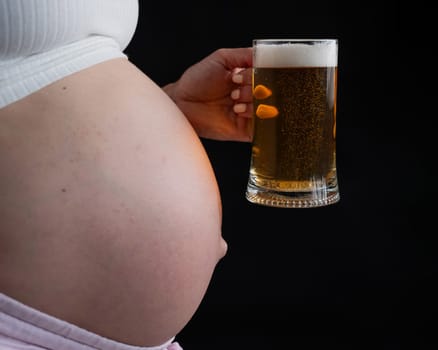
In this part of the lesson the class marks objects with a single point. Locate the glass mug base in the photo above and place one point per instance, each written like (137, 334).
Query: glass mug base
(292, 199)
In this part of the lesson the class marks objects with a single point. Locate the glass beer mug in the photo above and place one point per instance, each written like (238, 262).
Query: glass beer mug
(293, 159)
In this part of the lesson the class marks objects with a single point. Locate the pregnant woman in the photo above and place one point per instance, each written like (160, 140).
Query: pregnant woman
(110, 214)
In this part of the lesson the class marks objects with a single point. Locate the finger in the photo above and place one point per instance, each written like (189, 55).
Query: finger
(247, 76)
(242, 76)
(243, 110)
(235, 57)
(244, 129)
(242, 94)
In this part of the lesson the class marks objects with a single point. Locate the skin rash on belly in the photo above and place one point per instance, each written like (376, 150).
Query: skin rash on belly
(110, 215)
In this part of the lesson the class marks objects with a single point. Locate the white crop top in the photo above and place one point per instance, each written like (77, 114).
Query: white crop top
(42, 41)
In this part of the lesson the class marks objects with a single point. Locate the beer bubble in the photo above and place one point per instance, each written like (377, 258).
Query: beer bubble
(266, 111)
(261, 92)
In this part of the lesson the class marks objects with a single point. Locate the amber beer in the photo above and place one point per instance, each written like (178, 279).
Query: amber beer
(293, 161)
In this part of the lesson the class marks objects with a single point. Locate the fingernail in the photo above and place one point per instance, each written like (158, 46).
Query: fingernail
(237, 78)
(235, 94)
(239, 108)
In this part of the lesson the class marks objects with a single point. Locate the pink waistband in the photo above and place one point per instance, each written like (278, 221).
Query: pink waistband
(22, 327)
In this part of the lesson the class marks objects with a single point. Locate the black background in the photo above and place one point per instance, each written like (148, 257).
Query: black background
(358, 274)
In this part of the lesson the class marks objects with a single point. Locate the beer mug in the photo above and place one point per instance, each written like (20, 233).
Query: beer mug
(293, 158)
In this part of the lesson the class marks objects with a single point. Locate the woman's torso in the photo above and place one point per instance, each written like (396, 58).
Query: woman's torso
(110, 216)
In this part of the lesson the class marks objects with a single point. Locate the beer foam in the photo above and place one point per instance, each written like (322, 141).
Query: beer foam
(319, 54)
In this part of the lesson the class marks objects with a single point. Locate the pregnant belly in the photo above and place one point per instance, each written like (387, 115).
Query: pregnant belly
(110, 216)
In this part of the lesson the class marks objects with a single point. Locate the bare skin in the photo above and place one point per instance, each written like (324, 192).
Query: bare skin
(216, 95)
(110, 212)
